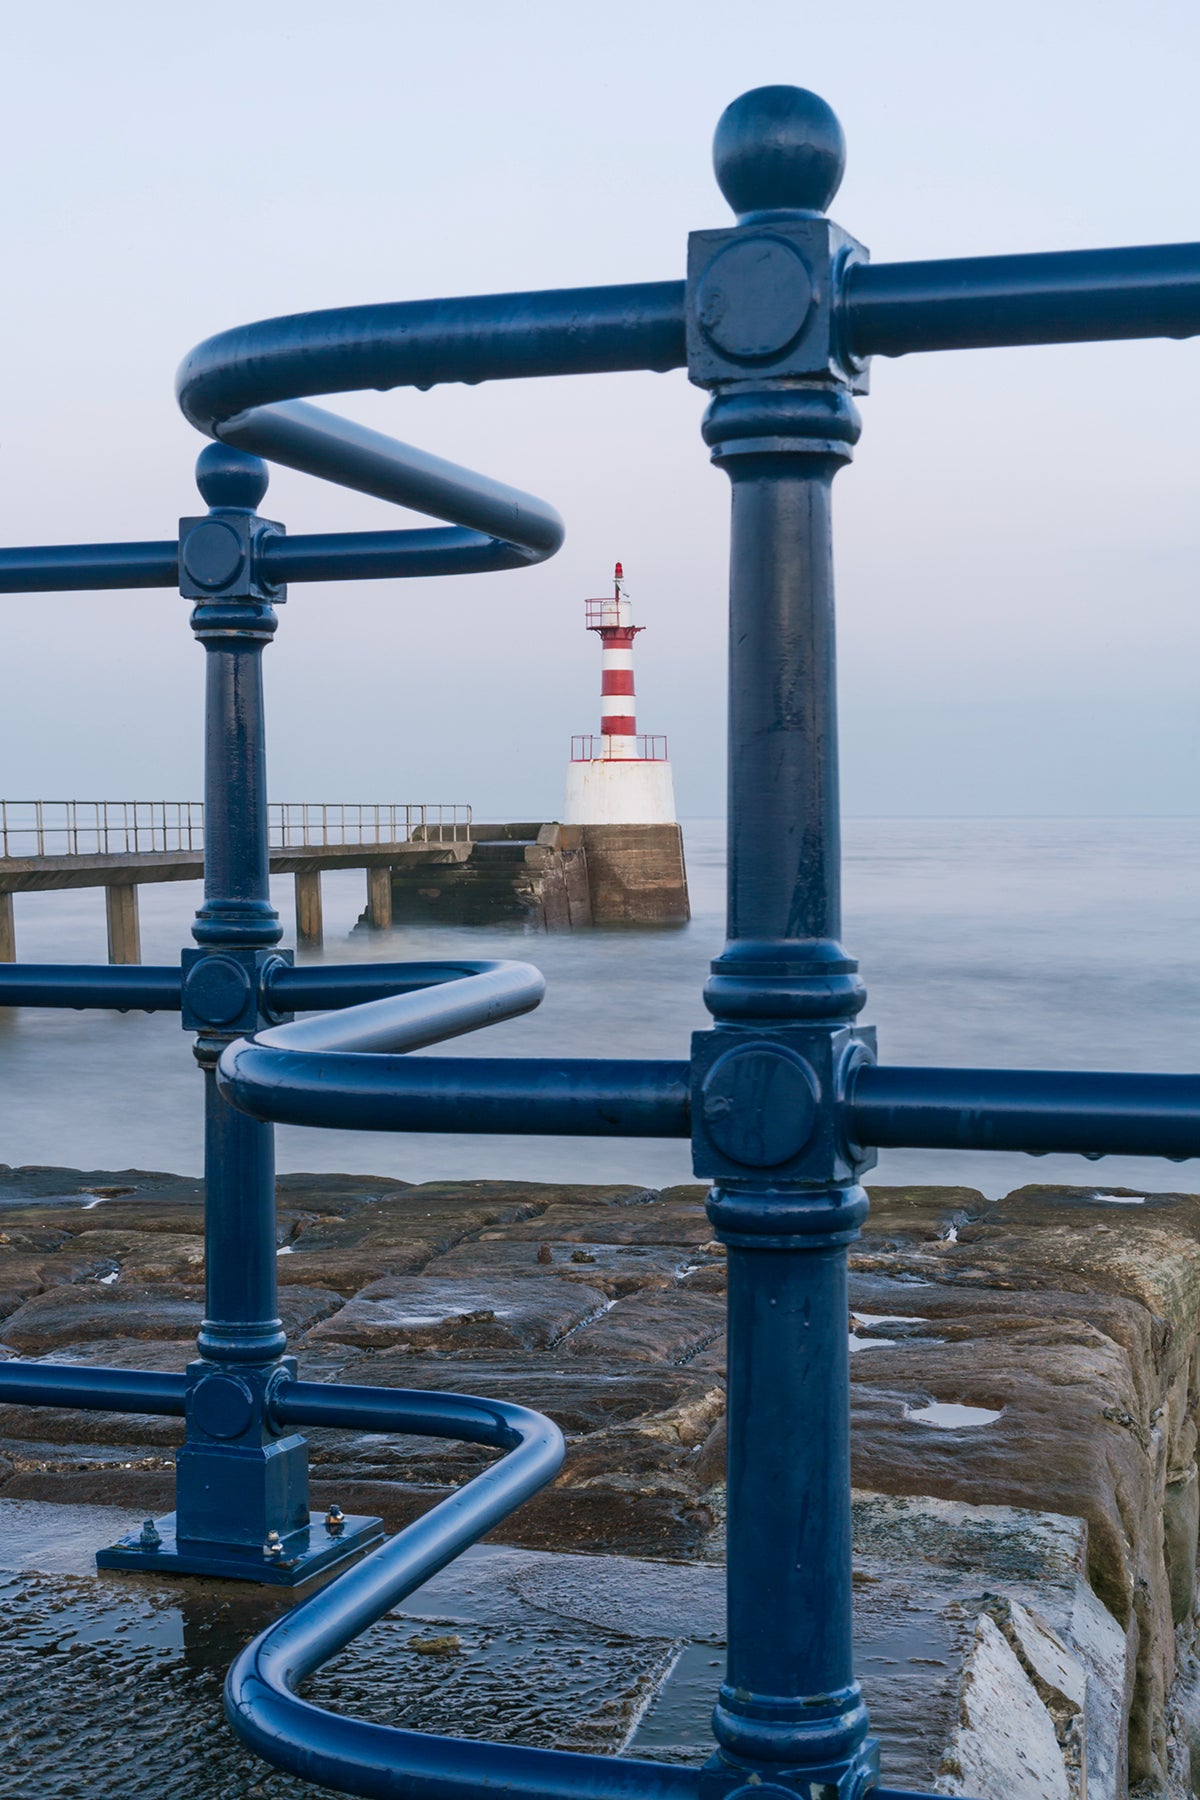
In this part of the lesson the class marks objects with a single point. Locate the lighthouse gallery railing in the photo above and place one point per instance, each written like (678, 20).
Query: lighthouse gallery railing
(783, 1099)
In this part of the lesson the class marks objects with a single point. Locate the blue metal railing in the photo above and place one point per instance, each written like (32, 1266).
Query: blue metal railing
(782, 1098)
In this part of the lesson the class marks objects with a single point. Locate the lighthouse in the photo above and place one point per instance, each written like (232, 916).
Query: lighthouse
(617, 777)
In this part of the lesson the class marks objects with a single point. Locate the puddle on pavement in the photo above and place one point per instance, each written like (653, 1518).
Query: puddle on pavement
(948, 1415)
(859, 1340)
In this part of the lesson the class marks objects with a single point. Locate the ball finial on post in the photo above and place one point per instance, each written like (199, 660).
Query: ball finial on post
(778, 149)
(229, 477)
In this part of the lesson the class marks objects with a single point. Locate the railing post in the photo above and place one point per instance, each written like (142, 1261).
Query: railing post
(784, 995)
(241, 1480)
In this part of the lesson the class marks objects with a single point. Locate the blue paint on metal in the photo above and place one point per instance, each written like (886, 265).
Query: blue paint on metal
(96, 1389)
(81, 985)
(782, 1098)
(1039, 1111)
(528, 1096)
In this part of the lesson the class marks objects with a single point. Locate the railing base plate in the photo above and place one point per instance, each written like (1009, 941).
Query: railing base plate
(315, 1551)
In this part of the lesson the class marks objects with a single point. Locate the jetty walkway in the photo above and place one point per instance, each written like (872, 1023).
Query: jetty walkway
(119, 845)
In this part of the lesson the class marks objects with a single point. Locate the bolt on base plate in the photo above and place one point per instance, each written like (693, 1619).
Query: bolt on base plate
(290, 1561)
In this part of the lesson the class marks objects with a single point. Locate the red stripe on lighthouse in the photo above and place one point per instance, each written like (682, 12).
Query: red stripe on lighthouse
(616, 681)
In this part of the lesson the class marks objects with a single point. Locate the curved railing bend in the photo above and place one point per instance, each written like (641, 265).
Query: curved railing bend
(362, 1758)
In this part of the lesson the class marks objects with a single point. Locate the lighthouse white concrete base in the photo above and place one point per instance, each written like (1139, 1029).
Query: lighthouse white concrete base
(612, 791)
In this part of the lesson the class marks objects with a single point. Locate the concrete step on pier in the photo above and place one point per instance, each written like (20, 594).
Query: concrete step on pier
(113, 1681)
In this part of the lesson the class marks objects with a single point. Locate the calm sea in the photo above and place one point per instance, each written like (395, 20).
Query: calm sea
(1048, 943)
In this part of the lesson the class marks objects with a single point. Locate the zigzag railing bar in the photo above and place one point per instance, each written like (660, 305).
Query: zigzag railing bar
(285, 989)
(381, 1760)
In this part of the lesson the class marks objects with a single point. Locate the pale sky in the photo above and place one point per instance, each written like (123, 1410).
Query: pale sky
(1017, 542)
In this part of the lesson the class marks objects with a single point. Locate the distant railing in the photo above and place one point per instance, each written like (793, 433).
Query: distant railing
(296, 823)
(601, 749)
(130, 827)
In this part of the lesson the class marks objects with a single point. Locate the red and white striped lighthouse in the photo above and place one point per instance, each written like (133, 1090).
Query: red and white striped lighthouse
(613, 621)
(619, 777)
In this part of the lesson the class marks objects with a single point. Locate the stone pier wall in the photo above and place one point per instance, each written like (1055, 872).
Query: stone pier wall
(551, 876)
(1025, 1395)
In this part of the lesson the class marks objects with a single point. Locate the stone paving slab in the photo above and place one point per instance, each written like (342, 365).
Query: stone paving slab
(614, 1269)
(131, 1309)
(1066, 1322)
(113, 1681)
(498, 1314)
(659, 1221)
(675, 1325)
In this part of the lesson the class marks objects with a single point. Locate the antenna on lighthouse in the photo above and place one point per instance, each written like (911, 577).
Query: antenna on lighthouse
(618, 777)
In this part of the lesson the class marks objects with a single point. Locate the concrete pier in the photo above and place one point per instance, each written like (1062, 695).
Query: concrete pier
(121, 873)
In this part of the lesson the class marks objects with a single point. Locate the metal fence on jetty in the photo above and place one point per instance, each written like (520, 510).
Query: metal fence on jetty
(136, 827)
(783, 1098)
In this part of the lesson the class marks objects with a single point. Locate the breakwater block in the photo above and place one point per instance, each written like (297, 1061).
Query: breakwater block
(552, 876)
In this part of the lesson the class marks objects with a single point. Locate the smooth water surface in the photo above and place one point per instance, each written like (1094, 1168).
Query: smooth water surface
(1045, 943)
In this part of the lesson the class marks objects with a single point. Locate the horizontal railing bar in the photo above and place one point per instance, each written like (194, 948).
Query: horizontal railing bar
(409, 1410)
(327, 987)
(340, 450)
(427, 1013)
(502, 1096)
(67, 568)
(361, 1758)
(421, 343)
(1038, 1111)
(384, 555)
(93, 1389)
(1056, 297)
(145, 988)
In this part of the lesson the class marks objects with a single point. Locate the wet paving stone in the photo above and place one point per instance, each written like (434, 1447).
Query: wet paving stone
(496, 1314)
(1067, 1319)
(114, 1681)
(66, 1314)
(613, 1269)
(669, 1327)
(658, 1221)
